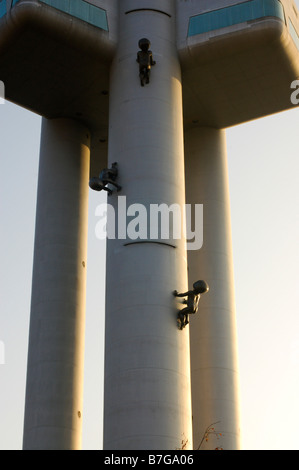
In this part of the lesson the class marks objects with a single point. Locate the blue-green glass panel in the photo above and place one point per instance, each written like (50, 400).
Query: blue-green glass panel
(220, 20)
(258, 10)
(82, 10)
(273, 8)
(235, 14)
(62, 5)
(2, 8)
(98, 17)
(247, 11)
(79, 10)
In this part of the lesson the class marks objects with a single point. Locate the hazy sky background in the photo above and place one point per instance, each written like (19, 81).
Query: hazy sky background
(263, 162)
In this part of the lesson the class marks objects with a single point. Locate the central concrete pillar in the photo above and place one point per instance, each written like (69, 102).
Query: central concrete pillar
(54, 394)
(147, 372)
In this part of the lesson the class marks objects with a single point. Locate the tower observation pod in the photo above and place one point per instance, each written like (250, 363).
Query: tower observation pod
(135, 97)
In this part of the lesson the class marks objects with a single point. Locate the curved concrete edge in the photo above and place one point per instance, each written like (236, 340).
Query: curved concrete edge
(31, 14)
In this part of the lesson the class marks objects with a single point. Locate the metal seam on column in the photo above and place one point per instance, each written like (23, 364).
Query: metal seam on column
(149, 242)
(147, 9)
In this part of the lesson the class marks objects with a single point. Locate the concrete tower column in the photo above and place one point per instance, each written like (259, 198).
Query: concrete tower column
(214, 363)
(53, 409)
(147, 366)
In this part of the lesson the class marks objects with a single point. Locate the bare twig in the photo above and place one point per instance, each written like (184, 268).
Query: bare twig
(210, 430)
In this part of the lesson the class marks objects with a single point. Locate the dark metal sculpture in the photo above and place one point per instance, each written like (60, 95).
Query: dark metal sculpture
(192, 301)
(145, 60)
(107, 176)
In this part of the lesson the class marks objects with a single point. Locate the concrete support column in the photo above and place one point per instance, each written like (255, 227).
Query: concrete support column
(53, 410)
(147, 369)
(214, 364)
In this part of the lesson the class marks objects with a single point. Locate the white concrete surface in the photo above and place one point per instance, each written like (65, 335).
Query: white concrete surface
(53, 412)
(147, 363)
(214, 358)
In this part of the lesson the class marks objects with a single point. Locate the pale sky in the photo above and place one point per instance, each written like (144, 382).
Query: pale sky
(264, 188)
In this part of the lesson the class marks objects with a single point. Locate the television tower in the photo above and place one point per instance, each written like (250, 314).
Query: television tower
(80, 64)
